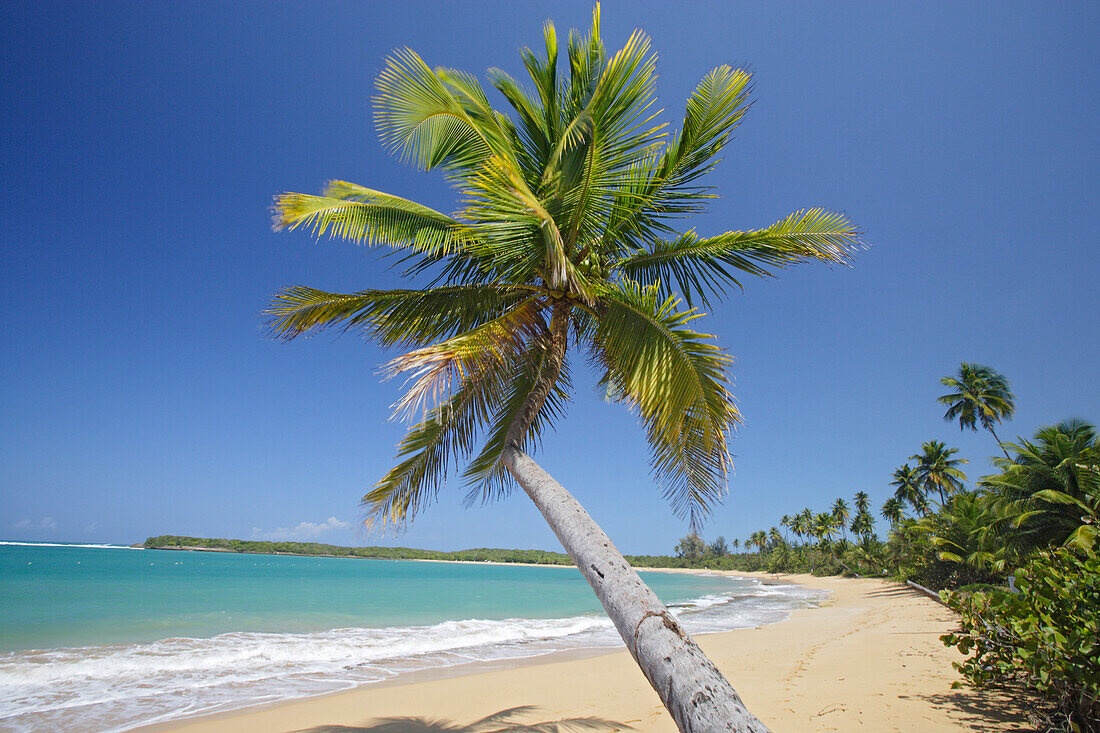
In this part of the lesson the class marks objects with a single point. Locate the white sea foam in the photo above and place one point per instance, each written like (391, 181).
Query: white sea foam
(64, 544)
(112, 688)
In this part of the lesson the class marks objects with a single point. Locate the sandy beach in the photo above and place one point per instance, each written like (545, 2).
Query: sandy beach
(868, 659)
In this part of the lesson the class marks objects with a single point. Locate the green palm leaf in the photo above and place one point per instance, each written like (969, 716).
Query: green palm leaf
(704, 267)
(675, 377)
(406, 317)
(370, 217)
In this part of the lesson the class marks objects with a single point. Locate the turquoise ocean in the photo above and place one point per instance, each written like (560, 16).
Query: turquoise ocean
(101, 638)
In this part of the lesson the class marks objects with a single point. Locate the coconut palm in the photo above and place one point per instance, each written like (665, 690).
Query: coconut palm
(936, 469)
(841, 514)
(963, 533)
(862, 502)
(863, 524)
(908, 488)
(1050, 492)
(825, 526)
(805, 522)
(566, 239)
(981, 395)
(893, 511)
(785, 523)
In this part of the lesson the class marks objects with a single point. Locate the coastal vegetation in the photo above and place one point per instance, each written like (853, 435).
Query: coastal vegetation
(264, 547)
(571, 236)
(1016, 555)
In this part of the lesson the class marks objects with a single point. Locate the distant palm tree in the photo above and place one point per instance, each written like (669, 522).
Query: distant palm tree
(806, 517)
(908, 489)
(981, 395)
(825, 526)
(936, 469)
(785, 523)
(863, 502)
(774, 537)
(841, 514)
(893, 511)
(566, 236)
(863, 524)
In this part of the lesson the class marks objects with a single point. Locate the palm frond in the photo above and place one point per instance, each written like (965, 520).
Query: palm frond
(392, 317)
(676, 378)
(421, 120)
(365, 216)
(702, 267)
(445, 437)
(486, 475)
(668, 186)
(433, 369)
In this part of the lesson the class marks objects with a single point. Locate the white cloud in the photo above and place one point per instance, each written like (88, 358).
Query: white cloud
(304, 531)
(44, 523)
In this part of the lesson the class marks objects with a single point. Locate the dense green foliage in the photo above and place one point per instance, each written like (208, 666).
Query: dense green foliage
(481, 554)
(1046, 637)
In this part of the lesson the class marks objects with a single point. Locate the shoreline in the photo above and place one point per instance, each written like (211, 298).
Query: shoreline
(869, 657)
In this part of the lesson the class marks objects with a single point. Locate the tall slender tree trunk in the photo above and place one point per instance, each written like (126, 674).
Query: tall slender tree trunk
(999, 444)
(696, 694)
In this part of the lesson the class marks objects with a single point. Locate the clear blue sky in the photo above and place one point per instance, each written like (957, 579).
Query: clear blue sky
(141, 143)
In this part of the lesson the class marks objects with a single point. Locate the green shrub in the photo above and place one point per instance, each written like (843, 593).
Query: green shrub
(1047, 637)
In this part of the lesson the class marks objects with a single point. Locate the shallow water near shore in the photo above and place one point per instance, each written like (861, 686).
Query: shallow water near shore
(100, 638)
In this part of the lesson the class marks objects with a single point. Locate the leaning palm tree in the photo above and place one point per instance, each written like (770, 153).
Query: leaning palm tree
(981, 395)
(936, 469)
(566, 239)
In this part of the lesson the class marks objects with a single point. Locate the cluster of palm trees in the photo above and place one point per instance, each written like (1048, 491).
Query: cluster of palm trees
(936, 470)
(824, 526)
(1047, 493)
(775, 550)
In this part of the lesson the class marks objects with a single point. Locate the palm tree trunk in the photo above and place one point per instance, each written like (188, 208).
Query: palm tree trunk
(696, 694)
(999, 445)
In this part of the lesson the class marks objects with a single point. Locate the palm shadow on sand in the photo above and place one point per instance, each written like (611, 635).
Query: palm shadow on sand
(504, 721)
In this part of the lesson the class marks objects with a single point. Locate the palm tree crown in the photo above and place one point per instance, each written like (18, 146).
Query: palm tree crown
(980, 395)
(893, 510)
(908, 489)
(568, 235)
(936, 469)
